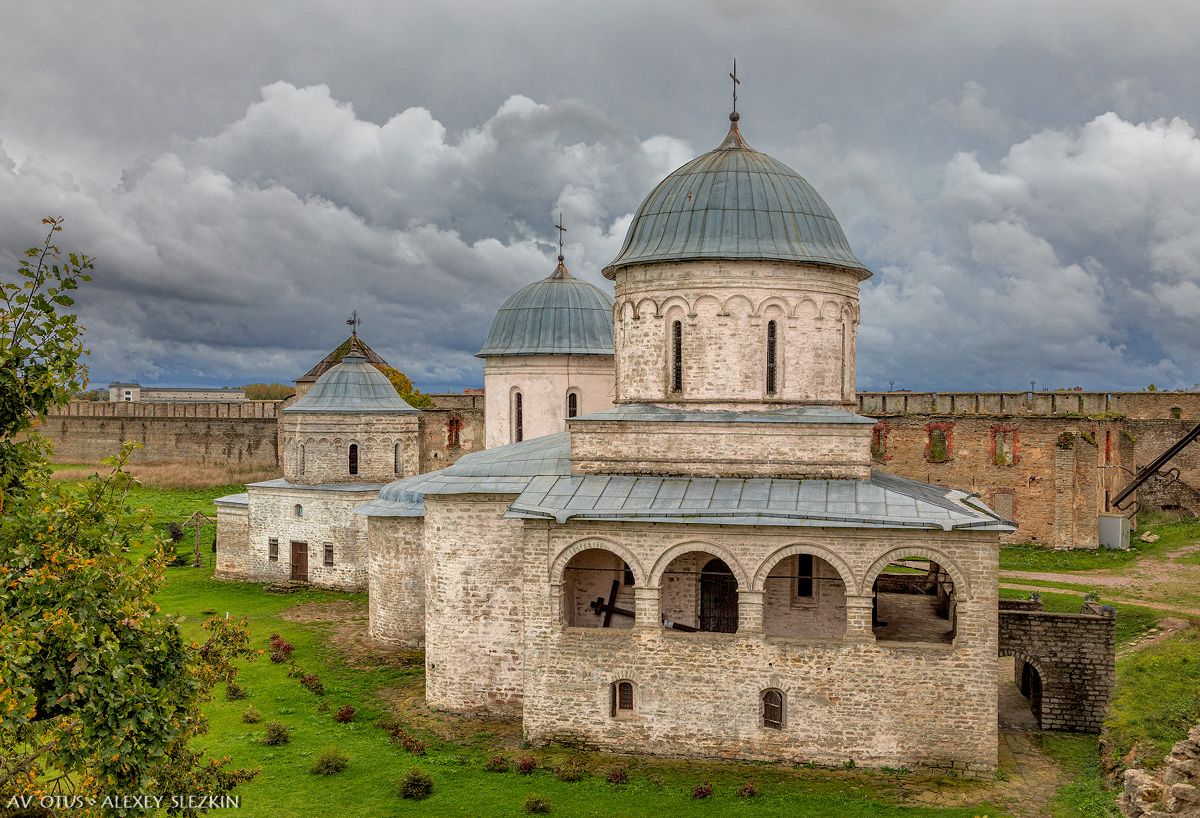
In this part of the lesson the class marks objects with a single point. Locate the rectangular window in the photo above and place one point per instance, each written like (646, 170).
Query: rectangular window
(804, 576)
(328, 554)
(273, 550)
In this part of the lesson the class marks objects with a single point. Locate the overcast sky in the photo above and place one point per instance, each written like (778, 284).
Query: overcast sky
(1022, 177)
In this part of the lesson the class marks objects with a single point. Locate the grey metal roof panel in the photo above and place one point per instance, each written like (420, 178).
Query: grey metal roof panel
(758, 501)
(735, 203)
(354, 385)
(280, 483)
(233, 500)
(557, 315)
(650, 413)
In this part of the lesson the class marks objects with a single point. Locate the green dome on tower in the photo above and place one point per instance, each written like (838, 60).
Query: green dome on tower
(735, 203)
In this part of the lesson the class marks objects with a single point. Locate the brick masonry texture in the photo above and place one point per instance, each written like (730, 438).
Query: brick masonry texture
(388, 447)
(396, 581)
(544, 382)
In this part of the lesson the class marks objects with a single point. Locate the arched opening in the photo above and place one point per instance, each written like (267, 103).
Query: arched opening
(298, 510)
(913, 601)
(622, 700)
(396, 459)
(772, 709)
(598, 591)
(1020, 694)
(572, 404)
(804, 597)
(677, 356)
(301, 458)
(699, 593)
(772, 357)
(518, 417)
(352, 457)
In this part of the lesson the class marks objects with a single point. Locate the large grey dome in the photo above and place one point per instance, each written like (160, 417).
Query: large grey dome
(735, 203)
(558, 315)
(353, 385)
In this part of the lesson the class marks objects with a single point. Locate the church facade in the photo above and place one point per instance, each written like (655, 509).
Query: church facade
(706, 564)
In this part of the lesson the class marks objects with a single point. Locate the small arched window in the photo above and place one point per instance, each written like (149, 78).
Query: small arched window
(298, 510)
(772, 709)
(622, 704)
(353, 457)
(518, 418)
(677, 356)
(572, 404)
(396, 459)
(772, 357)
(301, 458)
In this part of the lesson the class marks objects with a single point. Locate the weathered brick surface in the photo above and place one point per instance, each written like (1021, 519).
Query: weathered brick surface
(396, 581)
(543, 381)
(473, 615)
(724, 308)
(1074, 656)
(388, 447)
(233, 542)
(849, 696)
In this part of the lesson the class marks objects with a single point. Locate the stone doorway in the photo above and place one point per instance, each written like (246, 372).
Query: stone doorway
(718, 598)
(1019, 694)
(299, 561)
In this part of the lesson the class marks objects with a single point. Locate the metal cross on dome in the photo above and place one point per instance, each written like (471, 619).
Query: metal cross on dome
(559, 227)
(736, 83)
(354, 322)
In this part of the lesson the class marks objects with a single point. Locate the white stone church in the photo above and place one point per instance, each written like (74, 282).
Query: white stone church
(674, 542)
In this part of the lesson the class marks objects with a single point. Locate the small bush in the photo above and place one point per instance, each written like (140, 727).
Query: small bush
(747, 790)
(537, 804)
(251, 716)
(572, 770)
(345, 714)
(234, 692)
(416, 785)
(497, 764)
(277, 734)
(330, 763)
(313, 682)
(410, 744)
(526, 765)
(618, 775)
(175, 532)
(702, 790)
(281, 651)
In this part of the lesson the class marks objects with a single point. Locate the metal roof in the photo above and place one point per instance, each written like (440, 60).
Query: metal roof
(281, 483)
(353, 386)
(233, 500)
(648, 412)
(558, 315)
(502, 470)
(351, 344)
(735, 203)
(884, 501)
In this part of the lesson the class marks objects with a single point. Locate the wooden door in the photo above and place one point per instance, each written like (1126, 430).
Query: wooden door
(718, 598)
(300, 561)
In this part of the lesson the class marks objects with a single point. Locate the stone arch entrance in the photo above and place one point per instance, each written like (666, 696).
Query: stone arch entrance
(718, 597)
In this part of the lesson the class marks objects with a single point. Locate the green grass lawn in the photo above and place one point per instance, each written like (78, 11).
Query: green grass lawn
(1172, 534)
(1087, 796)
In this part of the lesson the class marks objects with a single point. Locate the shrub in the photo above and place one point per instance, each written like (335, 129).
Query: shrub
(330, 763)
(234, 692)
(313, 682)
(410, 744)
(702, 790)
(747, 790)
(175, 532)
(281, 651)
(537, 804)
(526, 765)
(251, 716)
(572, 770)
(618, 775)
(496, 764)
(416, 785)
(345, 714)
(277, 734)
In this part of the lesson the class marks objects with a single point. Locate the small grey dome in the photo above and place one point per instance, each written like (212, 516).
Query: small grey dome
(352, 386)
(558, 315)
(735, 203)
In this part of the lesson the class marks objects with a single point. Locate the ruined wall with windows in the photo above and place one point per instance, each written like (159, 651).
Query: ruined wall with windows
(454, 427)
(847, 689)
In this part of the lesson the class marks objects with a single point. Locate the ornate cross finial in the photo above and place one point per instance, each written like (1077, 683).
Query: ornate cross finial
(354, 322)
(559, 227)
(736, 82)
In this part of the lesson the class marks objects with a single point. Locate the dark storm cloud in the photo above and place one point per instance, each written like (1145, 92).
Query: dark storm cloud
(248, 173)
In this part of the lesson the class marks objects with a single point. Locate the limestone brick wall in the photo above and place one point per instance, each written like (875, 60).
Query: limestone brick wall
(1153, 437)
(1052, 486)
(326, 517)
(785, 614)
(241, 434)
(1173, 790)
(233, 541)
(544, 382)
(473, 615)
(438, 448)
(326, 441)
(1074, 656)
(1113, 405)
(725, 308)
(847, 696)
(795, 450)
(396, 581)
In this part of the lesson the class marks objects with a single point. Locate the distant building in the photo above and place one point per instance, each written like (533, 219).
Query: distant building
(136, 393)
